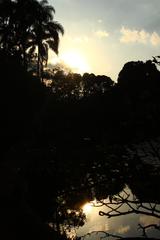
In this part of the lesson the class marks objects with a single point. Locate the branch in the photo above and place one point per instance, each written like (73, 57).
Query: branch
(109, 215)
(106, 234)
(134, 206)
(144, 228)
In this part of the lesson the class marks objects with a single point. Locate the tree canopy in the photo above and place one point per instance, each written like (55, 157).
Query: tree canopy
(71, 138)
(28, 30)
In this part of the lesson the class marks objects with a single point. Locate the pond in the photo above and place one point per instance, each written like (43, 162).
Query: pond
(119, 196)
(85, 192)
(125, 224)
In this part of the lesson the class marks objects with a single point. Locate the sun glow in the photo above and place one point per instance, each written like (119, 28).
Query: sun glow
(87, 208)
(76, 61)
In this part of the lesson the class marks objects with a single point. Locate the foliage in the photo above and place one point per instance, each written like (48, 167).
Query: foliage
(25, 25)
(78, 138)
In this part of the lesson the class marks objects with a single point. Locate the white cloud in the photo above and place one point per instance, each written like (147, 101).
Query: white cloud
(139, 36)
(99, 227)
(100, 20)
(101, 34)
(123, 229)
(145, 220)
(155, 39)
(78, 39)
(131, 36)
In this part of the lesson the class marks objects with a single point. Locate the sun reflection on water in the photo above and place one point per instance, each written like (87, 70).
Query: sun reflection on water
(87, 208)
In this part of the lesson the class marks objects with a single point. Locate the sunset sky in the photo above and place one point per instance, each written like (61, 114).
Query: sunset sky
(102, 35)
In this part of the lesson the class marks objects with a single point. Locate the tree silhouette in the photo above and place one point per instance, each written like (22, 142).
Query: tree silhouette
(67, 143)
(27, 29)
(7, 32)
(126, 203)
(44, 34)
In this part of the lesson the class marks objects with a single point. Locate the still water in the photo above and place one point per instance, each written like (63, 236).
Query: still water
(121, 226)
(128, 183)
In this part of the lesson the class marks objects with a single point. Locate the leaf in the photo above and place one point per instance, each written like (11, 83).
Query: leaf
(53, 45)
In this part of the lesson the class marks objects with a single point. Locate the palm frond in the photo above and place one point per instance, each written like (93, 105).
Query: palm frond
(55, 26)
(47, 10)
(53, 44)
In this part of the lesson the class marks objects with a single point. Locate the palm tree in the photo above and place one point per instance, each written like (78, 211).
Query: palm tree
(44, 35)
(27, 27)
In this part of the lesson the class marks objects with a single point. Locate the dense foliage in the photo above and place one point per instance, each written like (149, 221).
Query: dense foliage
(71, 137)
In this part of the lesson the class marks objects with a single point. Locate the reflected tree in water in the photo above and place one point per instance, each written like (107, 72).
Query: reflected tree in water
(73, 148)
(126, 203)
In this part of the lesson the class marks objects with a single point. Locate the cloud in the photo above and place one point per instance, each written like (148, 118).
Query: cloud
(78, 39)
(145, 220)
(123, 229)
(139, 36)
(155, 39)
(100, 20)
(131, 36)
(99, 227)
(101, 34)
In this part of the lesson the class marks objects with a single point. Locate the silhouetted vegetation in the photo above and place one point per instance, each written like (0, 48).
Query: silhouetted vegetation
(69, 138)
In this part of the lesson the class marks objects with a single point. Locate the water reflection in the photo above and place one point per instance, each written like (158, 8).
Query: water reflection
(60, 189)
(87, 208)
(128, 186)
(123, 215)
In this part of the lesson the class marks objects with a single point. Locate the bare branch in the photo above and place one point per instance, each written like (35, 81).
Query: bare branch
(106, 234)
(144, 228)
(125, 199)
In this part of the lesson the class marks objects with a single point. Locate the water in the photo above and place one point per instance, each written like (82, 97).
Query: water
(97, 226)
(134, 182)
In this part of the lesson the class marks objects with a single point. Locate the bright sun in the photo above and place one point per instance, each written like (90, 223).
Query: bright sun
(87, 208)
(76, 61)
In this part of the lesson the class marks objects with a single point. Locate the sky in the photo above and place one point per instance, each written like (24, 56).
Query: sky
(102, 35)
